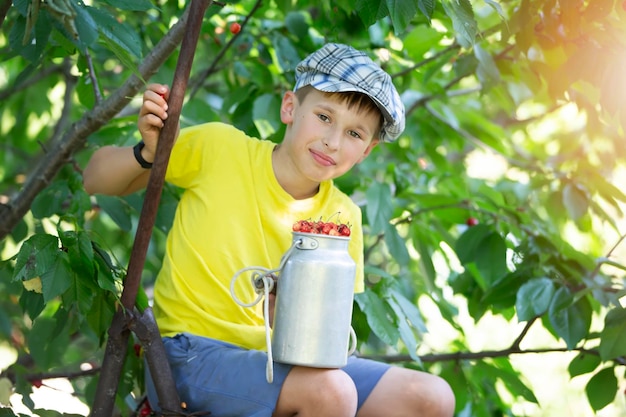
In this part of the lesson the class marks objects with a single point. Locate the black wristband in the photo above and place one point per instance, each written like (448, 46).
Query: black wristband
(137, 152)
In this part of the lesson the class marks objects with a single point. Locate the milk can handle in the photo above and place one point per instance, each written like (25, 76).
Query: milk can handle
(353, 341)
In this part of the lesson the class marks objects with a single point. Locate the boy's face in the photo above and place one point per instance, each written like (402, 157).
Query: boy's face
(325, 138)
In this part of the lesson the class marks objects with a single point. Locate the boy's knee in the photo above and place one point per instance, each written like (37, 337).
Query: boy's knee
(309, 391)
(441, 398)
(336, 387)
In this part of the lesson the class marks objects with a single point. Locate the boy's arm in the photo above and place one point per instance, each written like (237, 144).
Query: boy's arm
(114, 170)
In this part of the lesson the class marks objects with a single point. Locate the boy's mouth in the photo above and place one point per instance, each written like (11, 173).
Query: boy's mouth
(322, 158)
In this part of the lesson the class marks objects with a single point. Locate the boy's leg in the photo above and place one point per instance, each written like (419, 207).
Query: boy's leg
(311, 392)
(229, 381)
(217, 377)
(402, 392)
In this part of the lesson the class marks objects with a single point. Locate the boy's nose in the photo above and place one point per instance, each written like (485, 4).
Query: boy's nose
(332, 139)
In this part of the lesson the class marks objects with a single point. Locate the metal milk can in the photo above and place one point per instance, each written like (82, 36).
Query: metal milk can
(314, 296)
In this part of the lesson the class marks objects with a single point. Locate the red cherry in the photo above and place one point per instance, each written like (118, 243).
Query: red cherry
(235, 28)
(36, 383)
(471, 221)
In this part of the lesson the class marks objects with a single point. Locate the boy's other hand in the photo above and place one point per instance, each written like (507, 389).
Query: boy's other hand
(152, 115)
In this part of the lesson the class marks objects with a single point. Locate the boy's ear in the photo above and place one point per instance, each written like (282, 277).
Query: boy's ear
(288, 107)
(369, 148)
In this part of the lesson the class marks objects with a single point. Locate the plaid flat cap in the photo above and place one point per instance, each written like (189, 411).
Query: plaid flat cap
(340, 68)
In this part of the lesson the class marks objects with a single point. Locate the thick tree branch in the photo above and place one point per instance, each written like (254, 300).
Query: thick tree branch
(5, 5)
(73, 139)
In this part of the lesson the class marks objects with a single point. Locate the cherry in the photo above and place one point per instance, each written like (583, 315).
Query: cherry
(321, 227)
(471, 221)
(235, 28)
(37, 383)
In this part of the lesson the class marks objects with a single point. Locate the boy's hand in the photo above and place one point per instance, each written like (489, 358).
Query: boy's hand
(152, 115)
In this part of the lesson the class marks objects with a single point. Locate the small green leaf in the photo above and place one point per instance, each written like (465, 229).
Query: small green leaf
(534, 298)
(602, 388)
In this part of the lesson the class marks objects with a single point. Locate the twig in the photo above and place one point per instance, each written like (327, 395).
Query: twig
(198, 79)
(93, 78)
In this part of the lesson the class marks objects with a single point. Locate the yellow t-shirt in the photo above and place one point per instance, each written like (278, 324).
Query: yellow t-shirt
(232, 214)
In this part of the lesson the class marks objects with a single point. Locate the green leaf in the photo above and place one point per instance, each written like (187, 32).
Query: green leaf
(583, 363)
(468, 243)
(370, 11)
(491, 258)
(101, 314)
(119, 37)
(427, 7)
(486, 250)
(571, 320)
(401, 13)
(297, 24)
(407, 334)
(266, 114)
(36, 256)
(51, 200)
(396, 245)
(410, 311)
(575, 200)
(118, 209)
(534, 298)
(487, 71)
(377, 317)
(379, 206)
(57, 278)
(613, 336)
(32, 303)
(46, 346)
(86, 27)
(602, 388)
(286, 52)
(132, 5)
(421, 40)
(462, 15)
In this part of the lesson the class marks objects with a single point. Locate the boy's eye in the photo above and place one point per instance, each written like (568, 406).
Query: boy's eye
(354, 134)
(323, 117)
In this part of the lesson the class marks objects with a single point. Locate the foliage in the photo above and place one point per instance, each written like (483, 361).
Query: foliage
(498, 200)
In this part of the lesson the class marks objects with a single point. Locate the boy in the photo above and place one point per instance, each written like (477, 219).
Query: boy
(241, 197)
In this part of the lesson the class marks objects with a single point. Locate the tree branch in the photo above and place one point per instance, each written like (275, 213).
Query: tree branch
(461, 356)
(5, 5)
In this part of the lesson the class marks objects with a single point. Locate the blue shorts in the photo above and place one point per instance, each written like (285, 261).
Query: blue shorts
(227, 380)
